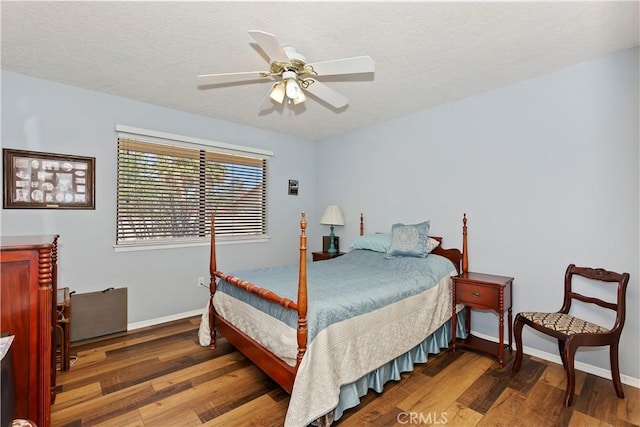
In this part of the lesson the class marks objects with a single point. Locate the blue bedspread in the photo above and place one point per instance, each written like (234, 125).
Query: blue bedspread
(358, 282)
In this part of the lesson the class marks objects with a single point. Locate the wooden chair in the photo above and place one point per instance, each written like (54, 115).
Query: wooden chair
(573, 332)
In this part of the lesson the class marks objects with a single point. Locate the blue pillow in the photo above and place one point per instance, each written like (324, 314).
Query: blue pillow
(378, 242)
(409, 240)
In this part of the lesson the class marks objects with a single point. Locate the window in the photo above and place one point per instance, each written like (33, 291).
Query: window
(169, 189)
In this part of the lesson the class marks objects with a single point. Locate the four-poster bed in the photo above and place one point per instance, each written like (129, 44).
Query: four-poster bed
(307, 338)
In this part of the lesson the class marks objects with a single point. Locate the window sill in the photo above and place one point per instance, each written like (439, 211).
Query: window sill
(134, 247)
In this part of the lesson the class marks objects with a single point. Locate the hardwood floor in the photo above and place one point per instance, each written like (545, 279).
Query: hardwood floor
(160, 376)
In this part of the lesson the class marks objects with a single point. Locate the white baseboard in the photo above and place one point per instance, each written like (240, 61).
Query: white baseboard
(580, 366)
(157, 321)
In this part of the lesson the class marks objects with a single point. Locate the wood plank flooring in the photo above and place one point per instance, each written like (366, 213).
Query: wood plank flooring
(159, 376)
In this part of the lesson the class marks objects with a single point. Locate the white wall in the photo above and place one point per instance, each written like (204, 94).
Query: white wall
(546, 170)
(43, 116)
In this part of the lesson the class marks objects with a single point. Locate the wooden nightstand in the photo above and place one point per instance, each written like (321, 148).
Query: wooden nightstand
(322, 256)
(484, 292)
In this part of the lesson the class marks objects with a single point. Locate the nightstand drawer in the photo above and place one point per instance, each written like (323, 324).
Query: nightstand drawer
(477, 295)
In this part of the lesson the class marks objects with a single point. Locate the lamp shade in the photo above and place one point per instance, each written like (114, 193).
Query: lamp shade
(277, 94)
(301, 97)
(332, 216)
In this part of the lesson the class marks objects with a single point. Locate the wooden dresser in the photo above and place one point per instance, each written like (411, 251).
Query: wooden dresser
(28, 285)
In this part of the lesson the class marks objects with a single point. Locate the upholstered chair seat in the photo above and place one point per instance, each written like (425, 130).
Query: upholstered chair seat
(563, 323)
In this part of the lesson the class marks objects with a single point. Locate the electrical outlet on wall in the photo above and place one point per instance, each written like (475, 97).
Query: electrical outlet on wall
(201, 282)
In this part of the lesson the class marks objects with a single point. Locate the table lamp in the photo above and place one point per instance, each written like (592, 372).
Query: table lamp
(332, 217)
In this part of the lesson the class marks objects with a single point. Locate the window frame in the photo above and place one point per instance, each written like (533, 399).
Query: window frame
(167, 139)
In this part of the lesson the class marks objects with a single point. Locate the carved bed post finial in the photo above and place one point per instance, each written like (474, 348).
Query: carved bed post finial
(361, 224)
(302, 293)
(465, 252)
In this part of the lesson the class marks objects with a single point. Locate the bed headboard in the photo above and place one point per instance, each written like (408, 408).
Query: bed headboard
(458, 257)
(453, 254)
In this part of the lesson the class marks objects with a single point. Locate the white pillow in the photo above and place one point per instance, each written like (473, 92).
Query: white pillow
(431, 245)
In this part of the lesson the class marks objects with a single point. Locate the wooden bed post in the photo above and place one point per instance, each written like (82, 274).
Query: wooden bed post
(213, 280)
(302, 293)
(465, 252)
(361, 224)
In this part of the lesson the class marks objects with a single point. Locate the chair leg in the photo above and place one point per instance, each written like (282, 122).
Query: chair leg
(517, 335)
(60, 334)
(569, 357)
(562, 355)
(66, 362)
(615, 370)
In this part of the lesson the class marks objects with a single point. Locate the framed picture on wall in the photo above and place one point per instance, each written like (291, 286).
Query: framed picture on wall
(293, 187)
(35, 180)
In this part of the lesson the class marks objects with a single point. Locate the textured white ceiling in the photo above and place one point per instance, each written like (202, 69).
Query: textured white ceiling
(426, 53)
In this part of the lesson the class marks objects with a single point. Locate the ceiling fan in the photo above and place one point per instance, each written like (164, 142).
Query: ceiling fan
(293, 75)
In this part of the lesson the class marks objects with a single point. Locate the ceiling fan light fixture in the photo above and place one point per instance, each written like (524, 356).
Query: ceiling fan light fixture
(278, 92)
(293, 89)
(301, 98)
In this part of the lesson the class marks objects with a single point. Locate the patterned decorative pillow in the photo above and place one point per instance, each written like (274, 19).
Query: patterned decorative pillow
(378, 242)
(409, 240)
(431, 244)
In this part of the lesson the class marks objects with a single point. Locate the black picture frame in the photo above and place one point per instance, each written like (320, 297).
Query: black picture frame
(37, 180)
(293, 187)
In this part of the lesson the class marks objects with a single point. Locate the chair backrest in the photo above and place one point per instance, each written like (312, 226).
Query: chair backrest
(602, 275)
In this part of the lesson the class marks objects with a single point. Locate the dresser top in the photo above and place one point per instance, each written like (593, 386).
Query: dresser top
(27, 242)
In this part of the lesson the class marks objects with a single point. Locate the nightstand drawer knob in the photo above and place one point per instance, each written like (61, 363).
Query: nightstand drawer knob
(476, 294)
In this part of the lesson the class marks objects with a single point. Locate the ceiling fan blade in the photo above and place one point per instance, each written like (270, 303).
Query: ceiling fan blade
(326, 94)
(270, 45)
(212, 79)
(358, 64)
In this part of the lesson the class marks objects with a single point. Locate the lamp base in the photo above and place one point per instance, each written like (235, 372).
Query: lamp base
(332, 246)
(326, 242)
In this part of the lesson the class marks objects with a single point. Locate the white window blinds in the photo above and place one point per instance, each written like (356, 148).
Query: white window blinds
(168, 193)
